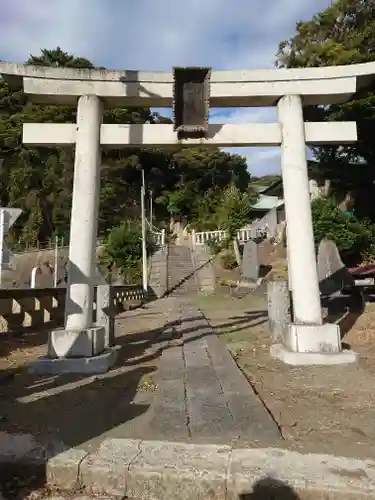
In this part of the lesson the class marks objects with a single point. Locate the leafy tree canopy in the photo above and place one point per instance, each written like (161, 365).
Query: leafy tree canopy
(39, 180)
(354, 238)
(344, 33)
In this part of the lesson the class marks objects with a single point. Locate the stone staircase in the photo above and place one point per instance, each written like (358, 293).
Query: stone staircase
(182, 280)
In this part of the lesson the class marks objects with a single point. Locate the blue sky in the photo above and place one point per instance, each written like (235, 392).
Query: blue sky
(159, 34)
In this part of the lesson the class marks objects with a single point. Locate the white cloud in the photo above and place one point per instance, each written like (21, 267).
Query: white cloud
(158, 34)
(260, 161)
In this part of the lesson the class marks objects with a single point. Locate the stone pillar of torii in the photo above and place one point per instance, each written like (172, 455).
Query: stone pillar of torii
(191, 91)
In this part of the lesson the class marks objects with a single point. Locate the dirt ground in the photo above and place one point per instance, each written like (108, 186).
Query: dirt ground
(70, 410)
(325, 409)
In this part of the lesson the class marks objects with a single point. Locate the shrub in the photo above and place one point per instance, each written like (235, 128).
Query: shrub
(228, 261)
(123, 252)
(234, 210)
(353, 237)
(214, 245)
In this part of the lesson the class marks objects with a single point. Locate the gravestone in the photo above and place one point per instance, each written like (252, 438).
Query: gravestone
(315, 190)
(250, 261)
(333, 275)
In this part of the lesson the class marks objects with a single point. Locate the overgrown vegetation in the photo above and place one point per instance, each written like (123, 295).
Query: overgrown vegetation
(122, 253)
(352, 236)
(187, 185)
(228, 260)
(185, 182)
(344, 33)
(232, 212)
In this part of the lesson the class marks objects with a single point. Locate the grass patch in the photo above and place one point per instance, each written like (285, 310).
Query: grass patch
(147, 383)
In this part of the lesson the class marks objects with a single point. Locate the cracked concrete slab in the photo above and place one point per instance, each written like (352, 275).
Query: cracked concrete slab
(106, 470)
(177, 470)
(310, 476)
(162, 470)
(62, 470)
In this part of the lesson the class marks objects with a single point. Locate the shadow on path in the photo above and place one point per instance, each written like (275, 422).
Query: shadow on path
(270, 489)
(135, 344)
(344, 310)
(67, 411)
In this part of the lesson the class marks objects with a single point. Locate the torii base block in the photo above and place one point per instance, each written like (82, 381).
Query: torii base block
(94, 365)
(312, 345)
(76, 351)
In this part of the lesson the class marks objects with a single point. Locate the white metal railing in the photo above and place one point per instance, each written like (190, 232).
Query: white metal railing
(159, 236)
(267, 227)
(201, 238)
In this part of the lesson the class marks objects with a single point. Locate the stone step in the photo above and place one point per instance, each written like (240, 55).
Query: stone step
(181, 278)
(164, 470)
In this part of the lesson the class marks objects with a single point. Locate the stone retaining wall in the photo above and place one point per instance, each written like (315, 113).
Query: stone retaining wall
(158, 272)
(202, 261)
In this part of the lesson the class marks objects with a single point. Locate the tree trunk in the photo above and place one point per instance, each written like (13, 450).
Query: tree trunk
(327, 188)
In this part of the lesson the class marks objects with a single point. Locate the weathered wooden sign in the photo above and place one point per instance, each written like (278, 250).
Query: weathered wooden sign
(191, 101)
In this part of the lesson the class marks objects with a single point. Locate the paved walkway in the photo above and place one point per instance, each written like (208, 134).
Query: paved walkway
(174, 380)
(203, 433)
(202, 396)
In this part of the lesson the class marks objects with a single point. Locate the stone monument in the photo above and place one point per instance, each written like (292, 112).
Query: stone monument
(250, 261)
(333, 275)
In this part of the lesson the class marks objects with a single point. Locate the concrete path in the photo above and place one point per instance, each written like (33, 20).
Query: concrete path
(202, 396)
(206, 434)
(174, 380)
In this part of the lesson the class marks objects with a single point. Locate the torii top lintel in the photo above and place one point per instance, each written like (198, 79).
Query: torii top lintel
(240, 88)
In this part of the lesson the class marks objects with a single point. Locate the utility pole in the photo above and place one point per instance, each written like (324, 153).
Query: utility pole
(56, 264)
(144, 249)
(151, 208)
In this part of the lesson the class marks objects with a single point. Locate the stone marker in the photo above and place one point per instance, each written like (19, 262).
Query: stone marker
(279, 311)
(250, 261)
(333, 275)
(105, 315)
(315, 190)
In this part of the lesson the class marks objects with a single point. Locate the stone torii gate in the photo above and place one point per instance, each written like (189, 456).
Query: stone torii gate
(307, 340)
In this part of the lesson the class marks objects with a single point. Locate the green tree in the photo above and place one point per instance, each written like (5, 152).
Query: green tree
(234, 209)
(57, 58)
(123, 252)
(39, 180)
(199, 174)
(352, 237)
(344, 33)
